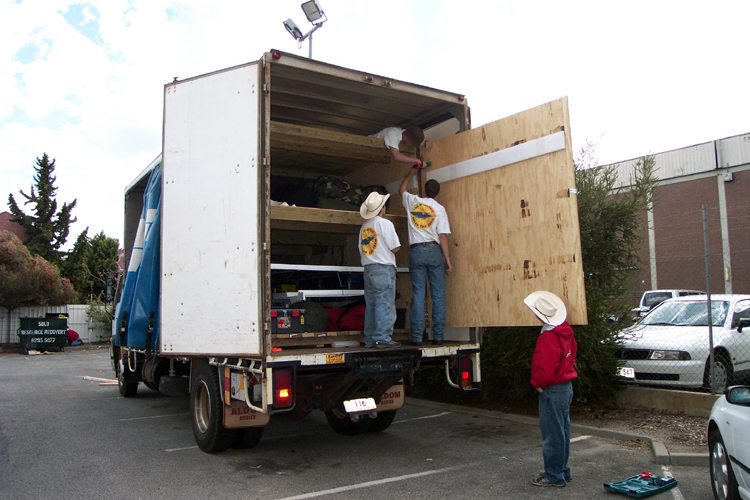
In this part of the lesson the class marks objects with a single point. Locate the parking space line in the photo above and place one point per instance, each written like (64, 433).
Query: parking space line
(181, 449)
(154, 416)
(421, 418)
(676, 493)
(369, 484)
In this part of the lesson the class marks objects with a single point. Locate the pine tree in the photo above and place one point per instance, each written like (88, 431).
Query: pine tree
(47, 227)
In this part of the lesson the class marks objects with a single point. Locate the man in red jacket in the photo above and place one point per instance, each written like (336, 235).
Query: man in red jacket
(552, 369)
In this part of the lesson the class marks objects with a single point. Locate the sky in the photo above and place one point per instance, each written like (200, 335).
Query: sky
(84, 81)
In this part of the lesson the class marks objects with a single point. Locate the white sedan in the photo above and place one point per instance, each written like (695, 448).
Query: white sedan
(729, 445)
(670, 346)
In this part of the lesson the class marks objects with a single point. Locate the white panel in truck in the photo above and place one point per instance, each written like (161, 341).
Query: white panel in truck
(211, 250)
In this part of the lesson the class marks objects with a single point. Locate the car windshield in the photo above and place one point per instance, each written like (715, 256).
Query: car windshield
(687, 314)
(654, 298)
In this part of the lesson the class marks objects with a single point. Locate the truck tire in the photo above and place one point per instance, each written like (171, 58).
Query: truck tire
(384, 420)
(341, 423)
(125, 383)
(207, 411)
(244, 439)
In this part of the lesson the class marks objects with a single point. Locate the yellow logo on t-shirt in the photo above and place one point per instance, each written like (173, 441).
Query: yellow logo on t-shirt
(369, 241)
(422, 216)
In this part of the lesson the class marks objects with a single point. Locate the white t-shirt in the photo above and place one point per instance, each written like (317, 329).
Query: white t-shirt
(391, 136)
(377, 239)
(427, 219)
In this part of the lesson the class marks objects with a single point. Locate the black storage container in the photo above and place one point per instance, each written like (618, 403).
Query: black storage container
(42, 334)
(287, 320)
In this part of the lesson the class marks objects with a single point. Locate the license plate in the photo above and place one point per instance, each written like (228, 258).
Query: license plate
(334, 359)
(626, 372)
(358, 405)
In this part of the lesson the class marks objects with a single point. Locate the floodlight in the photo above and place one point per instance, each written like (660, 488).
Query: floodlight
(312, 10)
(293, 29)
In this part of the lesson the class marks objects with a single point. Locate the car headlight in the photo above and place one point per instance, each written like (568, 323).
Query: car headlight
(670, 355)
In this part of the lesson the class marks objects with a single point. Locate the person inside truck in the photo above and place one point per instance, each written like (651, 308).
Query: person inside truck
(552, 369)
(412, 136)
(378, 244)
(429, 257)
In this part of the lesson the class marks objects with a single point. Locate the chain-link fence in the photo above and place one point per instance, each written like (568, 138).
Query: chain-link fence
(697, 342)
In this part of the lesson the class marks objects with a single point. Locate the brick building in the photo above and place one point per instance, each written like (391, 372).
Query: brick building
(715, 174)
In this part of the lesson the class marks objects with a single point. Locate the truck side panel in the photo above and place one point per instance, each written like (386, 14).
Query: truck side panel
(211, 249)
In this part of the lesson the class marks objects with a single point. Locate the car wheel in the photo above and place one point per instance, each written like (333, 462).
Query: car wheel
(722, 374)
(723, 482)
(341, 423)
(207, 411)
(384, 420)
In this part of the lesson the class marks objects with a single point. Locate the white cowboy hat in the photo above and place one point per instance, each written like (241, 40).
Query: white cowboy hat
(372, 205)
(547, 306)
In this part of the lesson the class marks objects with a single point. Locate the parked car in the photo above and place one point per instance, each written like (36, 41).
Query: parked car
(729, 445)
(653, 298)
(670, 346)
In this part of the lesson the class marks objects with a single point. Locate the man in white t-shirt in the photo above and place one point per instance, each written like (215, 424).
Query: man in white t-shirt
(429, 257)
(411, 136)
(378, 244)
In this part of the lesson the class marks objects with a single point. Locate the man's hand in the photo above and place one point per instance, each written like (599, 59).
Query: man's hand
(539, 390)
(448, 268)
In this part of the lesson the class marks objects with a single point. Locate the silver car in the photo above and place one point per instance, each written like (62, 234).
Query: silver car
(729, 445)
(670, 346)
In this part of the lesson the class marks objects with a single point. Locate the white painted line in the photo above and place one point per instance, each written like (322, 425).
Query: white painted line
(181, 449)
(676, 493)
(580, 438)
(422, 418)
(154, 416)
(368, 484)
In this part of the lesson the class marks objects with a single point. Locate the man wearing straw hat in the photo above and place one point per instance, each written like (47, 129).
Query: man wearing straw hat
(378, 244)
(552, 369)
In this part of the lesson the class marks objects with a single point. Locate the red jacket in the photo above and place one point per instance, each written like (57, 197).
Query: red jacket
(554, 357)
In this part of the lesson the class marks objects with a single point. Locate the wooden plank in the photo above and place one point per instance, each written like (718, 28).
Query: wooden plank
(325, 216)
(311, 338)
(328, 143)
(514, 229)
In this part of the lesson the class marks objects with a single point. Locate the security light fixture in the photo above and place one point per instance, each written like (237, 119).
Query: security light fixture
(315, 15)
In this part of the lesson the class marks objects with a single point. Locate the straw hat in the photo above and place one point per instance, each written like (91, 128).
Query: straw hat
(372, 205)
(547, 306)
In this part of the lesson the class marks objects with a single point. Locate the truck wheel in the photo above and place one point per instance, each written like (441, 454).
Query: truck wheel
(128, 388)
(384, 420)
(207, 411)
(341, 423)
(244, 439)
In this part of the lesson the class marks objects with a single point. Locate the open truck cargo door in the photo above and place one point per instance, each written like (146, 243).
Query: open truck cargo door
(509, 190)
(212, 250)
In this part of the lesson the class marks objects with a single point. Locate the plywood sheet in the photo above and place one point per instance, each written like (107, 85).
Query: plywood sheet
(515, 228)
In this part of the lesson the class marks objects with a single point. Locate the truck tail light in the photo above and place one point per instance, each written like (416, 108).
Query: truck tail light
(283, 389)
(466, 372)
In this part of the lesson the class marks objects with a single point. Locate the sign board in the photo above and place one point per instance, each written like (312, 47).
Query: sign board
(43, 333)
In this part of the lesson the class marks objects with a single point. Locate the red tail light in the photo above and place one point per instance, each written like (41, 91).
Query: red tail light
(283, 389)
(466, 369)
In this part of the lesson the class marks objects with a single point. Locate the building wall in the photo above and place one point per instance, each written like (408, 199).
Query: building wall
(715, 174)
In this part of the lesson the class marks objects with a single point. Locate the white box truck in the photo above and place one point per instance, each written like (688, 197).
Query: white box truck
(224, 285)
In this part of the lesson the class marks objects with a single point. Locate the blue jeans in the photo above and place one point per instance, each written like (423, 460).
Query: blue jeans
(554, 422)
(426, 262)
(380, 303)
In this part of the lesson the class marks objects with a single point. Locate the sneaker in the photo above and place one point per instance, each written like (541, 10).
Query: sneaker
(437, 342)
(369, 346)
(567, 479)
(543, 481)
(386, 345)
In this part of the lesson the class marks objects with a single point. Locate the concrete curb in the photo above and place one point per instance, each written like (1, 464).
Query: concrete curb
(662, 456)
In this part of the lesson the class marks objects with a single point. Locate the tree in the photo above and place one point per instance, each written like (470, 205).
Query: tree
(47, 228)
(101, 261)
(27, 280)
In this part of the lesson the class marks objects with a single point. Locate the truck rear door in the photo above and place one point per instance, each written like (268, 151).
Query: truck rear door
(211, 246)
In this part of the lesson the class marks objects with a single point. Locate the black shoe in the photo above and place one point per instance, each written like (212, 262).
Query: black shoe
(387, 345)
(437, 342)
(418, 344)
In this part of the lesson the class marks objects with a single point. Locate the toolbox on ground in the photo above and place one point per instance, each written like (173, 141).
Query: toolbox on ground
(287, 320)
(643, 485)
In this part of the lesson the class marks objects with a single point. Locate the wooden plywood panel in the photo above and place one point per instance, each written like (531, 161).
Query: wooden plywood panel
(515, 228)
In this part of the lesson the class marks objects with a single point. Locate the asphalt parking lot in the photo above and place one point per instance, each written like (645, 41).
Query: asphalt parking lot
(62, 436)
